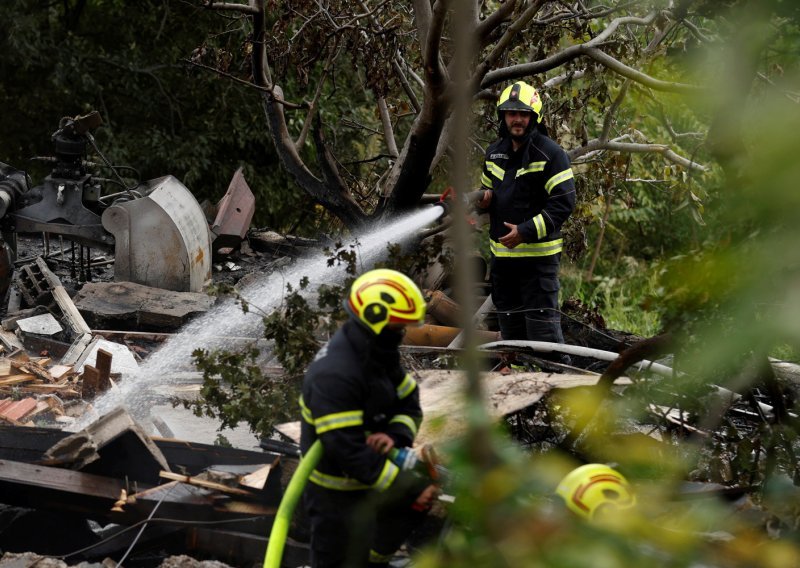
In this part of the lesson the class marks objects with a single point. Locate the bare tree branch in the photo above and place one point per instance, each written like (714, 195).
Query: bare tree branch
(412, 96)
(397, 69)
(368, 14)
(543, 65)
(695, 31)
(793, 96)
(423, 16)
(563, 78)
(263, 89)
(332, 193)
(262, 76)
(590, 49)
(312, 106)
(336, 189)
(630, 73)
(489, 24)
(388, 131)
(616, 145)
(410, 70)
(231, 7)
(431, 50)
(503, 44)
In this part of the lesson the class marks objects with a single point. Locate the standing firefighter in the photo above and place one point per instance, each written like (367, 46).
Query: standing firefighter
(360, 403)
(529, 192)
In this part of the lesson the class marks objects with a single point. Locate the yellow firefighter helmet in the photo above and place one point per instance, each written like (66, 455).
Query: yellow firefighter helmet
(383, 296)
(594, 487)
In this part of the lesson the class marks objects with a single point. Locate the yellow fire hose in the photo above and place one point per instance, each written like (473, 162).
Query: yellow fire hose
(280, 526)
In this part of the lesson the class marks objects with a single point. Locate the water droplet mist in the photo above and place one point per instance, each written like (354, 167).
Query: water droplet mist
(227, 319)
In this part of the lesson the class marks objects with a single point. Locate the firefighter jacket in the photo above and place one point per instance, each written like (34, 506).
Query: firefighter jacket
(532, 188)
(355, 387)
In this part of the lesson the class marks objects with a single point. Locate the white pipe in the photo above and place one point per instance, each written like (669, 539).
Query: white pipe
(577, 350)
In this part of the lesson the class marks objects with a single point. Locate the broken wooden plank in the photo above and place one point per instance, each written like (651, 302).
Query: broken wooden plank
(16, 379)
(54, 403)
(52, 488)
(73, 317)
(64, 390)
(257, 479)
(97, 379)
(33, 368)
(61, 371)
(120, 336)
(103, 361)
(29, 485)
(77, 349)
(90, 382)
(204, 483)
(41, 407)
(194, 457)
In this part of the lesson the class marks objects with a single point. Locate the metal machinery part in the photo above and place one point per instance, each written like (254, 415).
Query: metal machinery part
(66, 203)
(162, 239)
(157, 230)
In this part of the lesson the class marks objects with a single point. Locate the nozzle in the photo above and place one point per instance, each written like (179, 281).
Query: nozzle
(469, 199)
(444, 205)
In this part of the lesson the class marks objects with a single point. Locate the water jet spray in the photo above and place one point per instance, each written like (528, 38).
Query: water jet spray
(228, 319)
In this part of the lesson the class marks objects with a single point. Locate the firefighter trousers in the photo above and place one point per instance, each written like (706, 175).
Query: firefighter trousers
(525, 293)
(356, 529)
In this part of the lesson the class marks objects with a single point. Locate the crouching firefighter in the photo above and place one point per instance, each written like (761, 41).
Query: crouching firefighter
(363, 407)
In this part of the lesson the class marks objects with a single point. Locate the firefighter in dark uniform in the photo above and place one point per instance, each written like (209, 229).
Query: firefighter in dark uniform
(529, 192)
(361, 404)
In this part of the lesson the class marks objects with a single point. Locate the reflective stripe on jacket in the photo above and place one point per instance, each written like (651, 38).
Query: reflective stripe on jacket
(533, 188)
(355, 387)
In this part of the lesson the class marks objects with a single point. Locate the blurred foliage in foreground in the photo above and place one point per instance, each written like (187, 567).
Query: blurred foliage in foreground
(728, 302)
